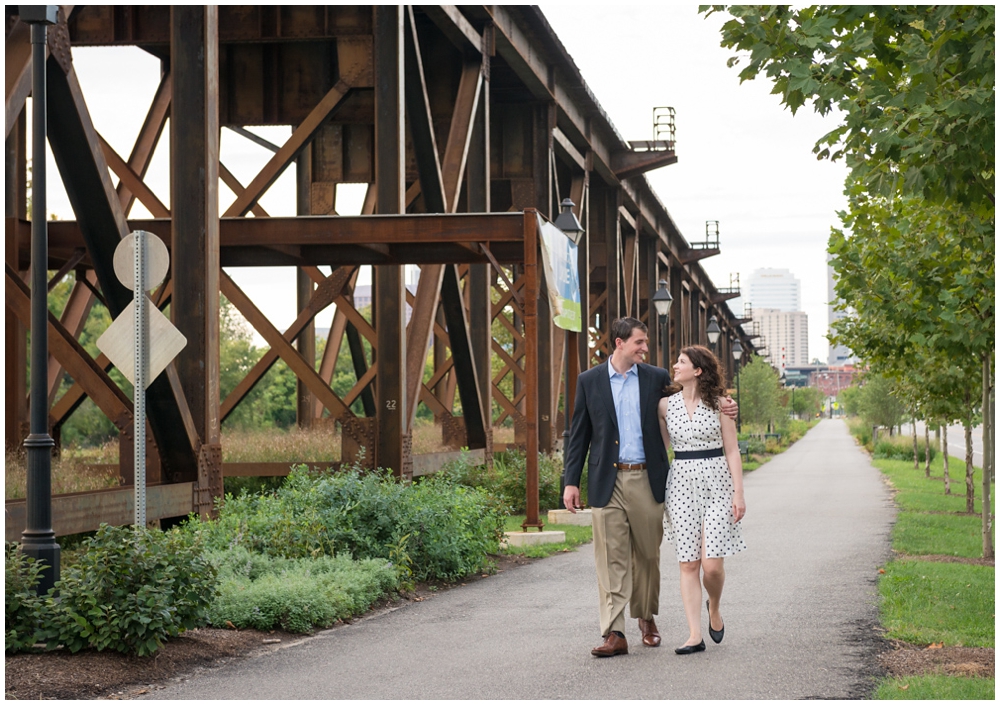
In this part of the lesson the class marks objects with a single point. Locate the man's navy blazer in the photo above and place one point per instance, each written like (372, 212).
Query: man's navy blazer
(595, 428)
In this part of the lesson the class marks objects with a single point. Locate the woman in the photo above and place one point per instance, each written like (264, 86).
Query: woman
(704, 489)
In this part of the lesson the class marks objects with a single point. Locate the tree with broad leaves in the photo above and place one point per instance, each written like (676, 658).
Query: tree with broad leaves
(913, 88)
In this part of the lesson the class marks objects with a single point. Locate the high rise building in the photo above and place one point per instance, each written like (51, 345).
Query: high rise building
(786, 335)
(839, 355)
(775, 289)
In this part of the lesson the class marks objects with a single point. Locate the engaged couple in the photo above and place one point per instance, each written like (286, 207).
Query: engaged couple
(626, 415)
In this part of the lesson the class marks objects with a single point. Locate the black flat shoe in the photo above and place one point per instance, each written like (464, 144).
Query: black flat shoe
(716, 635)
(693, 649)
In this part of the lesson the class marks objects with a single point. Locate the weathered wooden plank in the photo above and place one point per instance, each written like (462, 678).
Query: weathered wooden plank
(86, 511)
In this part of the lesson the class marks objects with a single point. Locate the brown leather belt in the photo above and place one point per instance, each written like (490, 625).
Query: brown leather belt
(630, 466)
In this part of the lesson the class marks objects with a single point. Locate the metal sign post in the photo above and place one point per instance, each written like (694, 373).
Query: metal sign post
(141, 342)
(139, 404)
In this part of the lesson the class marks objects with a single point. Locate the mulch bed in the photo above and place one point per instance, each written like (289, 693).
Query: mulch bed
(909, 660)
(105, 674)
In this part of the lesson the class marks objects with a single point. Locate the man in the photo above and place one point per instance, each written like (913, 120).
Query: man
(615, 419)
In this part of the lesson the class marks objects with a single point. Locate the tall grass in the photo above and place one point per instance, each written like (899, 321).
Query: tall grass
(79, 469)
(72, 472)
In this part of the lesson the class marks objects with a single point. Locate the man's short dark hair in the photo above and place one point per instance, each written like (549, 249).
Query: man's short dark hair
(623, 327)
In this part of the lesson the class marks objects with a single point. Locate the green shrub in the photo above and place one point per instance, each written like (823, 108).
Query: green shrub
(23, 608)
(130, 590)
(296, 594)
(435, 527)
(507, 479)
(901, 448)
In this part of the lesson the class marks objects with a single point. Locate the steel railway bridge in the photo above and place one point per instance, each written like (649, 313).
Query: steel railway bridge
(464, 122)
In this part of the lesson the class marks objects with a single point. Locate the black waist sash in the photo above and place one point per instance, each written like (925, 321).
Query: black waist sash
(698, 454)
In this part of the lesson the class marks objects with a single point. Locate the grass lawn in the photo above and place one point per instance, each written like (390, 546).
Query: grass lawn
(935, 688)
(918, 493)
(575, 536)
(921, 534)
(925, 603)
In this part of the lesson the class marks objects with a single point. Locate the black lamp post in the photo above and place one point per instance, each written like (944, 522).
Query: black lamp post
(737, 354)
(570, 225)
(661, 302)
(713, 331)
(38, 540)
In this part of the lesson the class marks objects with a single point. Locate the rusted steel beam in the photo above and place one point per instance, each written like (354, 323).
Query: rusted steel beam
(421, 229)
(15, 336)
(85, 511)
(361, 370)
(84, 171)
(302, 369)
(455, 27)
(568, 149)
(290, 150)
(64, 346)
(194, 181)
(133, 182)
(17, 67)
(626, 163)
(418, 334)
(532, 291)
(324, 295)
(719, 297)
(421, 121)
(148, 25)
(149, 136)
(392, 443)
(73, 318)
(460, 133)
(693, 254)
(306, 341)
(462, 355)
(237, 188)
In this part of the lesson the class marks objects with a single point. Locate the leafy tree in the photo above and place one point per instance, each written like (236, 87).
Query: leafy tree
(878, 403)
(914, 87)
(849, 399)
(806, 401)
(760, 394)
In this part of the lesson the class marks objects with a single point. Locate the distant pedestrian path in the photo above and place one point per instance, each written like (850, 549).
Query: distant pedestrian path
(798, 608)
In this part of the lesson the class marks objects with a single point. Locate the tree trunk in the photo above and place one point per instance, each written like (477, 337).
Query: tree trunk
(987, 458)
(927, 449)
(970, 486)
(916, 450)
(944, 456)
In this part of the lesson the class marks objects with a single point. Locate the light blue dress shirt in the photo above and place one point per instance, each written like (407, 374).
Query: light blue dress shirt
(625, 390)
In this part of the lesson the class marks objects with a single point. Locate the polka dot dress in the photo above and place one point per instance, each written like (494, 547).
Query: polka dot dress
(699, 492)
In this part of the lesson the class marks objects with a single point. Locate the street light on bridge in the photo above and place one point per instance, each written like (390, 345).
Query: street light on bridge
(573, 229)
(661, 302)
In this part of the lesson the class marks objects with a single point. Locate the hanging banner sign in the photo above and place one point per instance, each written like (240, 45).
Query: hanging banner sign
(562, 276)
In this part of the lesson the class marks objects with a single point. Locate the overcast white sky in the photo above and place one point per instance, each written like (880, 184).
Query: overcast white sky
(742, 159)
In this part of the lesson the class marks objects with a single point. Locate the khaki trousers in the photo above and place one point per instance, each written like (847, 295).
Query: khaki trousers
(627, 536)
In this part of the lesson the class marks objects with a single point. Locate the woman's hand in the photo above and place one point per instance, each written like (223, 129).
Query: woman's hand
(739, 507)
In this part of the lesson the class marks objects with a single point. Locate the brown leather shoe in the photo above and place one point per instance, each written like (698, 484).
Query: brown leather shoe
(613, 646)
(650, 635)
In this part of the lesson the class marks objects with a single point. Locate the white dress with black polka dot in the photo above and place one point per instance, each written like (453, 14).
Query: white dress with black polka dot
(699, 492)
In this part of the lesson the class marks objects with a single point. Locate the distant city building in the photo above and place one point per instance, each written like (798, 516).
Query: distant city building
(775, 289)
(832, 379)
(839, 355)
(786, 335)
(363, 292)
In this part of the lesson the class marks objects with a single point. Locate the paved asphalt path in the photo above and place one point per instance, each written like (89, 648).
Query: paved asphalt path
(798, 606)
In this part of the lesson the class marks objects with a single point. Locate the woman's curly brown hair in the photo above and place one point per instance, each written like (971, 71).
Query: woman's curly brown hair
(711, 387)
